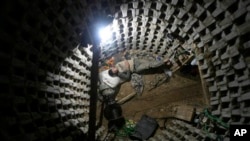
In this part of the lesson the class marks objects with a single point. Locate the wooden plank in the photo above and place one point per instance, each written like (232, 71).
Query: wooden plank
(203, 83)
(183, 112)
(126, 98)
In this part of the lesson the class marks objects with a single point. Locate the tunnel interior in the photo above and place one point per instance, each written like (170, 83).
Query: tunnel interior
(50, 54)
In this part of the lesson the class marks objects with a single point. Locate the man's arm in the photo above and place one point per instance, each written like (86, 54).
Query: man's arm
(124, 75)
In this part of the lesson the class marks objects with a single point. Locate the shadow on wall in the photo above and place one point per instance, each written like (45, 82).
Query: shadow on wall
(41, 104)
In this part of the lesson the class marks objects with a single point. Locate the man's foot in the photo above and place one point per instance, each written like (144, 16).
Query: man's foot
(166, 60)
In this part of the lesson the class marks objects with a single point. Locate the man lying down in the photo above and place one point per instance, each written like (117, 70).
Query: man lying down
(111, 79)
(124, 68)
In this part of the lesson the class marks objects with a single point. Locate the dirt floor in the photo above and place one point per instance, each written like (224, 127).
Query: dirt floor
(178, 91)
(180, 96)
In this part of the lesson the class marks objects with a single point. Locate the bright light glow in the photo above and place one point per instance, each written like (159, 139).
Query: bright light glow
(105, 33)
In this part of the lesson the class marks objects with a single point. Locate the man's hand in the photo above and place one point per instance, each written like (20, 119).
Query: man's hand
(127, 64)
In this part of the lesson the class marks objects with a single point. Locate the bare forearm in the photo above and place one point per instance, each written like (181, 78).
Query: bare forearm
(125, 75)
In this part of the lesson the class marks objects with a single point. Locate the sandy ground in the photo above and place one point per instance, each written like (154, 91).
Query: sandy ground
(178, 90)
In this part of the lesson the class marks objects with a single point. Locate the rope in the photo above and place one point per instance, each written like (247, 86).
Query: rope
(214, 118)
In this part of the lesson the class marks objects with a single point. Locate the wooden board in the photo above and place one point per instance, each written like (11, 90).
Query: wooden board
(184, 112)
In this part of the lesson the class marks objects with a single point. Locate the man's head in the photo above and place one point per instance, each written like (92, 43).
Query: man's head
(113, 71)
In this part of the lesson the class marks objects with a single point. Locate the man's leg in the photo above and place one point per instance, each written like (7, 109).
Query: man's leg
(140, 64)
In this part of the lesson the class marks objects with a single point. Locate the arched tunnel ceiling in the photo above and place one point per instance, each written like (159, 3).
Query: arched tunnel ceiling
(153, 26)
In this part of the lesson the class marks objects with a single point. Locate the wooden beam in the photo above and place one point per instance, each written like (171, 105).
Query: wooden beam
(126, 98)
(203, 83)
